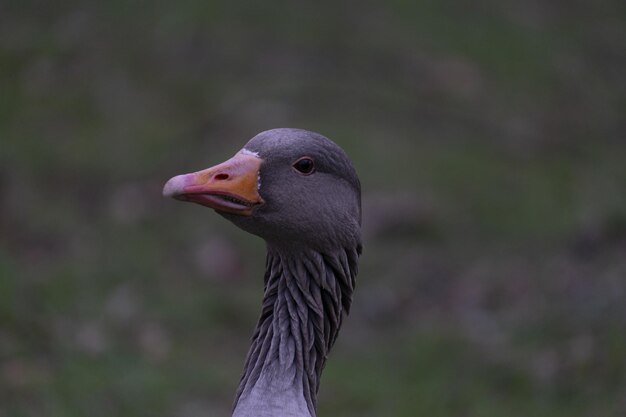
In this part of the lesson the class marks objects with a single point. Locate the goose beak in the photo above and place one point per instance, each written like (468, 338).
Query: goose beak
(231, 187)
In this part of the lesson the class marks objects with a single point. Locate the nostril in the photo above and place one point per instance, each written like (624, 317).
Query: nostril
(221, 177)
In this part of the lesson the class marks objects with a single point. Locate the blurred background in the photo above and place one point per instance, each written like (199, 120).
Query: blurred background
(491, 143)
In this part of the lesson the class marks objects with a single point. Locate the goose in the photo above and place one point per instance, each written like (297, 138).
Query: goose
(299, 192)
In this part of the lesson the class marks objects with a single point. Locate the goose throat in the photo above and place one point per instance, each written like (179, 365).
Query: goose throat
(305, 298)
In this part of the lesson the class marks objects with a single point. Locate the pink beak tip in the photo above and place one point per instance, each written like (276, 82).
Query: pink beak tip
(175, 186)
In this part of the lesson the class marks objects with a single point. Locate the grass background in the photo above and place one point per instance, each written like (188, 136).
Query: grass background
(490, 139)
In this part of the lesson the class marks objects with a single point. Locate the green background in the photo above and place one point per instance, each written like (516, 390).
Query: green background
(490, 138)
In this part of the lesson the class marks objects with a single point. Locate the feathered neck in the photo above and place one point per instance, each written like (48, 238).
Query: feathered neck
(306, 294)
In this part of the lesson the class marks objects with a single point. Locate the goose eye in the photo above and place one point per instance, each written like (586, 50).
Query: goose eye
(304, 165)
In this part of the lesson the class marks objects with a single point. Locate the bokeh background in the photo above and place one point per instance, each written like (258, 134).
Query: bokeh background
(491, 143)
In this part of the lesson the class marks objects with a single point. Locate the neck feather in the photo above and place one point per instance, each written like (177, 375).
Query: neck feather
(305, 297)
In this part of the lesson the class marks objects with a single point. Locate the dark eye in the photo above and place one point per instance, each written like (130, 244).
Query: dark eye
(304, 165)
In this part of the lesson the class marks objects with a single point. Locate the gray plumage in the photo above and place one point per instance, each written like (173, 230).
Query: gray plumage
(311, 224)
(306, 294)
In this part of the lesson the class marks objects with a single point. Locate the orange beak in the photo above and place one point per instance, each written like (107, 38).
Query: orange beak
(230, 187)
